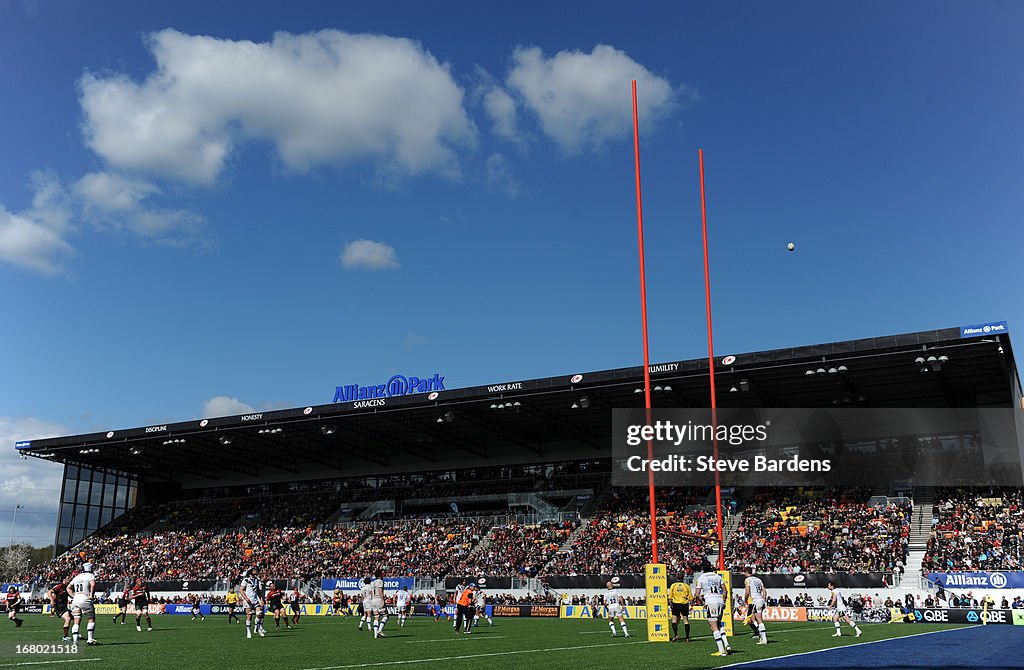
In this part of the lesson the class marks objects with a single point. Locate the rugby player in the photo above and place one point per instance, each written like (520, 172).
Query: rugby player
(275, 605)
(595, 606)
(459, 588)
(338, 603)
(196, 612)
(841, 610)
(59, 606)
(711, 587)
(402, 604)
(437, 608)
(481, 607)
(14, 603)
(83, 589)
(122, 606)
(140, 598)
(614, 602)
(378, 612)
(251, 595)
(679, 596)
(756, 596)
(362, 609)
(296, 604)
(231, 600)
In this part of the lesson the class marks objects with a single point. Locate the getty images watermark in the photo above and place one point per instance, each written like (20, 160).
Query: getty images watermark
(727, 435)
(816, 447)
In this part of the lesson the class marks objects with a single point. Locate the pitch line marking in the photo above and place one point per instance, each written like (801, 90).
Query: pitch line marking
(465, 656)
(457, 639)
(845, 646)
(771, 631)
(69, 660)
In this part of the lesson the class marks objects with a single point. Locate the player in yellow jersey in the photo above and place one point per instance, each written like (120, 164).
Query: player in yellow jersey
(231, 600)
(680, 595)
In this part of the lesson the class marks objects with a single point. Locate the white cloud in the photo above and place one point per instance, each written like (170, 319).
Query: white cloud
(33, 483)
(501, 109)
(116, 202)
(50, 204)
(222, 405)
(369, 255)
(25, 242)
(114, 193)
(326, 97)
(584, 100)
(34, 238)
(499, 176)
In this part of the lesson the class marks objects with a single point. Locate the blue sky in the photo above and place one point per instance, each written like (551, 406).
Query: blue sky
(205, 209)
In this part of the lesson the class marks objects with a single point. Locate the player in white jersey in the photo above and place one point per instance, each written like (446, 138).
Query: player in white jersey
(365, 596)
(83, 590)
(841, 610)
(250, 590)
(615, 603)
(377, 607)
(711, 587)
(755, 595)
(481, 608)
(402, 600)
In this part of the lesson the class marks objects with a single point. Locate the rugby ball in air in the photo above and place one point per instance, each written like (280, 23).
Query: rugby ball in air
(615, 580)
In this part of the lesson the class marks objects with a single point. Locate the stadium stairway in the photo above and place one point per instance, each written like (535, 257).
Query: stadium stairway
(921, 523)
(594, 503)
(534, 501)
(920, 531)
(571, 540)
(912, 574)
(247, 520)
(341, 515)
(156, 526)
(378, 507)
(484, 542)
(729, 526)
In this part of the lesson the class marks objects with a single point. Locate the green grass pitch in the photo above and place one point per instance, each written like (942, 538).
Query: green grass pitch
(321, 643)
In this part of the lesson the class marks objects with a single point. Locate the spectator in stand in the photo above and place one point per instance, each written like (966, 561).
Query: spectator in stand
(975, 530)
(794, 531)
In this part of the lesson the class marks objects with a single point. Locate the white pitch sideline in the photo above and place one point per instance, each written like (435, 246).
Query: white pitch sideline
(457, 639)
(63, 660)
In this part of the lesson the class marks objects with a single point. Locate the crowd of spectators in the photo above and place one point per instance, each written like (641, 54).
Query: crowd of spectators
(823, 530)
(976, 530)
(781, 531)
(617, 539)
(517, 549)
(428, 547)
(126, 556)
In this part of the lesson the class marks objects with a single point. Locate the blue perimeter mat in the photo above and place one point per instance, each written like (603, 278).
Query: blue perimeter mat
(988, 647)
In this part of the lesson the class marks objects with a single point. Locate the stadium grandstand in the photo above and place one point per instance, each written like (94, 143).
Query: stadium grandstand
(513, 481)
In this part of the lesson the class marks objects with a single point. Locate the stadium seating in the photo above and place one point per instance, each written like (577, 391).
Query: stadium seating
(517, 549)
(792, 530)
(617, 539)
(976, 530)
(408, 548)
(284, 535)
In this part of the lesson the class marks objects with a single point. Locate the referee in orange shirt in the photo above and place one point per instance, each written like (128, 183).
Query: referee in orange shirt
(464, 608)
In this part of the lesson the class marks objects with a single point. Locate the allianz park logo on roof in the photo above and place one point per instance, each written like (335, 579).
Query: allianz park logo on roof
(398, 385)
(992, 328)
